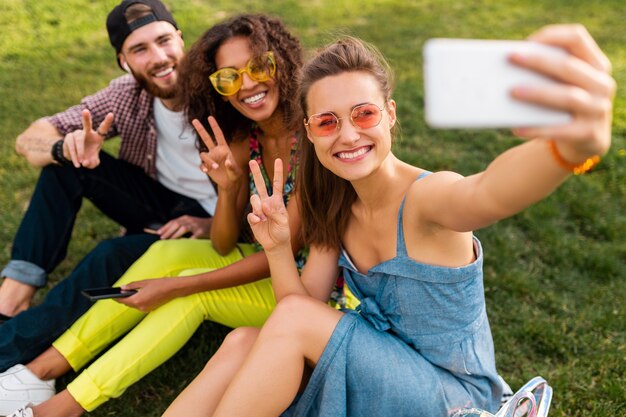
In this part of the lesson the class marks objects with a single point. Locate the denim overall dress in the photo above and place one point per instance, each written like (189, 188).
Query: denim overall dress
(419, 344)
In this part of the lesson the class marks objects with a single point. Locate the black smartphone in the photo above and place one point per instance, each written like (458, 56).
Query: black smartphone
(95, 294)
(152, 228)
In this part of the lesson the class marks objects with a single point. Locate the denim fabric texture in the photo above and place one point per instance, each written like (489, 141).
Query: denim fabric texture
(28, 273)
(418, 345)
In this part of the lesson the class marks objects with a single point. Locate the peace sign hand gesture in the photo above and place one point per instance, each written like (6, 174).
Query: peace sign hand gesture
(84, 145)
(269, 220)
(218, 162)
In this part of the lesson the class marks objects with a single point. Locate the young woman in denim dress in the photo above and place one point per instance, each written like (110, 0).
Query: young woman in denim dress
(420, 343)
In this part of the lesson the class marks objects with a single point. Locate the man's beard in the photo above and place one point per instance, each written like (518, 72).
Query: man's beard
(155, 90)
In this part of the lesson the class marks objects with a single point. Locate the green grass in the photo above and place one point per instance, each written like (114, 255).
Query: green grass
(554, 275)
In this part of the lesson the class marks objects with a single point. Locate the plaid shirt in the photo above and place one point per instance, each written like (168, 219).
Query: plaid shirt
(132, 108)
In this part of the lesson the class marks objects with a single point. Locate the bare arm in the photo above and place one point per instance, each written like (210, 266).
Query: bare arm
(528, 173)
(470, 203)
(155, 292)
(320, 272)
(35, 143)
(251, 268)
(273, 227)
(227, 166)
(231, 203)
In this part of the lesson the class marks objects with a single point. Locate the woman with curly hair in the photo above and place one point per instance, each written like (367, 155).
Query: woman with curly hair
(238, 73)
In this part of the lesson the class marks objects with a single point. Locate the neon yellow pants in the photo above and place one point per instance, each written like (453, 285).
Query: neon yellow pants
(154, 337)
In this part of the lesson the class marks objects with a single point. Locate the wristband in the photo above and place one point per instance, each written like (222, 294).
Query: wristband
(57, 153)
(576, 169)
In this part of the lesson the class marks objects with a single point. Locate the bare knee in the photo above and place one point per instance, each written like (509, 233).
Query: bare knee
(292, 313)
(303, 323)
(239, 341)
(298, 305)
(241, 337)
(293, 303)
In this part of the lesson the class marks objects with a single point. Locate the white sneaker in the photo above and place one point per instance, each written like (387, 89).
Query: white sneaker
(25, 411)
(19, 387)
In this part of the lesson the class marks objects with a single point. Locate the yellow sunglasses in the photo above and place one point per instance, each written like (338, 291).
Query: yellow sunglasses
(227, 81)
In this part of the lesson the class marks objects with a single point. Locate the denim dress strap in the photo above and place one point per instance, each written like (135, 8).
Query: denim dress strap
(400, 244)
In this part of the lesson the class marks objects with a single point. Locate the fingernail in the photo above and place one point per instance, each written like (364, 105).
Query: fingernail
(520, 91)
(517, 57)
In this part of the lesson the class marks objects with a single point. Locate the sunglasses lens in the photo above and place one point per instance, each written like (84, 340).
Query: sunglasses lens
(366, 116)
(323, 124)
(226, 81)
(262, 69)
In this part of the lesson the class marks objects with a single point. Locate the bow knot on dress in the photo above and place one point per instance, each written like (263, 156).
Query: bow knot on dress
(370, 310)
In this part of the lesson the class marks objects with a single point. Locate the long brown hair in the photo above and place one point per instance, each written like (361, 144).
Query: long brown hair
(325, 198)
(199, 98)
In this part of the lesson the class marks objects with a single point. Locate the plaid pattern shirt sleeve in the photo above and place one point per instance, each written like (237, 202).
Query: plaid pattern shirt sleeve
(133, 121)
(71, 119)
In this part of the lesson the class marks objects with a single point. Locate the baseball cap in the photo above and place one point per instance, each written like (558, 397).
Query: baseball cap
(119, 28)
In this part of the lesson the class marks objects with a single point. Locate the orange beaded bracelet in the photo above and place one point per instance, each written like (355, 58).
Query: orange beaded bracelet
(576, 169)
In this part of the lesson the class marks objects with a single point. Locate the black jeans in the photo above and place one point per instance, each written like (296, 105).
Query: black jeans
(121, 191)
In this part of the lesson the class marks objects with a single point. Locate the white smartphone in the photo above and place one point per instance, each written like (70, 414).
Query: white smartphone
(467, 84)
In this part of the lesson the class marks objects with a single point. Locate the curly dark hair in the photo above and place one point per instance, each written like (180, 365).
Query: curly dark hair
(198, 97)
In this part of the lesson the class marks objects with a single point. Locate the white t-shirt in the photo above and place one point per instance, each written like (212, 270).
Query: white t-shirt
(178, 161)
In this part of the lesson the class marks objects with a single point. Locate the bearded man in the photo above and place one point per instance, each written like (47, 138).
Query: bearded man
(155, 184)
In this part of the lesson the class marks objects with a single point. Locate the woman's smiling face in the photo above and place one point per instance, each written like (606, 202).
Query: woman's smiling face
(351, 152)
(255, 100)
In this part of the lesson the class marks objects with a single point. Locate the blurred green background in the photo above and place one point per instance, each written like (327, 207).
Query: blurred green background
(554, 274)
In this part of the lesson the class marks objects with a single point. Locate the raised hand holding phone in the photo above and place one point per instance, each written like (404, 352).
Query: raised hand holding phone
(269, 220)
(586, 90)
(218, 162)
(556, 85)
